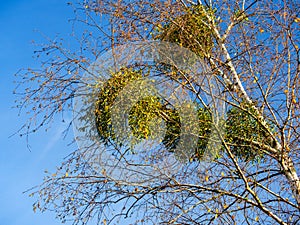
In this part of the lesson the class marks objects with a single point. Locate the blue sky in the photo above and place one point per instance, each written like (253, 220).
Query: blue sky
(21, 169)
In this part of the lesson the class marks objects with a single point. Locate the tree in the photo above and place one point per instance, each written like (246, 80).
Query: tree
(252, 55)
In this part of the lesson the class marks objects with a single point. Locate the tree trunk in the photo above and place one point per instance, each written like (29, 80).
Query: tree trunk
(290, 173)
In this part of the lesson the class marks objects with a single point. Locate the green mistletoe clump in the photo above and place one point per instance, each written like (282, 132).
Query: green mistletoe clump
(190, 30)
(141, 115)
(242, 127)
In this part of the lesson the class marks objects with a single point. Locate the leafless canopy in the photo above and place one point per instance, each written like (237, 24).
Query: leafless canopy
(253, 54)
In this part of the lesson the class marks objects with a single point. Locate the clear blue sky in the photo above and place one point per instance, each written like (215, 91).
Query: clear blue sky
(21, 169)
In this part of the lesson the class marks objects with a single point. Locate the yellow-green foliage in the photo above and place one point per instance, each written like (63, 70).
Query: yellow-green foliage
(141, 114)
(149, 109)
(241, 126)
(106, 98)
(190, 30)
(205, 123)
